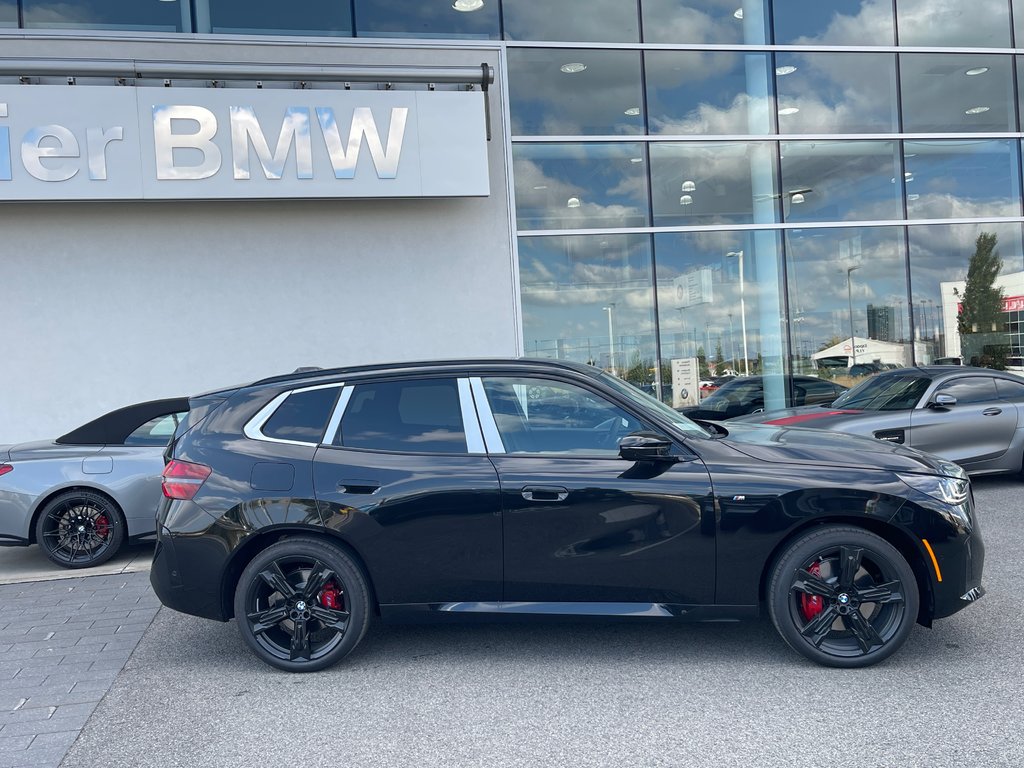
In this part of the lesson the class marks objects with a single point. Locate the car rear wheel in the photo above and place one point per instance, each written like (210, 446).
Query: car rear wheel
(843, 597)
(80, 529)
(302, 605)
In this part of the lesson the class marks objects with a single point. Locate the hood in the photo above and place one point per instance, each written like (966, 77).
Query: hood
(794, 445)
(816, 416)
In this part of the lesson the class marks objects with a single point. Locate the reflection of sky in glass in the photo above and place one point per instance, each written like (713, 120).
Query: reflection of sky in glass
(566, 283)
(939, 95)
(954, 23)
(415, 18)
(851, 180)
(961, 178)
(571, 20)
(605, 98)
(702, 21)
(837, 22)
(8, 13)
(712, 183)
(836, 92)
(708, 92)
(710, 315)
(323, 17)
(104, 14)
(566, 186)
(820, 296)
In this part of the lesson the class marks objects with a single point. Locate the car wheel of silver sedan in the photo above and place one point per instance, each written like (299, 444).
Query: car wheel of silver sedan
(80, 529)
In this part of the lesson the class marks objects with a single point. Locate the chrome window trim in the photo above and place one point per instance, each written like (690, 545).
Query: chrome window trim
(253, 428)
(483, 408)
(470, 421)
(331, 434)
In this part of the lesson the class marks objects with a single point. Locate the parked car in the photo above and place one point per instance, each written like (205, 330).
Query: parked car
(973, 416)
(745, 394)
(305, 505)
(82, 495)
(708, 386)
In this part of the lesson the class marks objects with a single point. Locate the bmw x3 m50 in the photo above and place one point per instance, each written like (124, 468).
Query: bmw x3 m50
(305, 505)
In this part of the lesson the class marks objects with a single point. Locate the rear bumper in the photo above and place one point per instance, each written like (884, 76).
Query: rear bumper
(187, 574)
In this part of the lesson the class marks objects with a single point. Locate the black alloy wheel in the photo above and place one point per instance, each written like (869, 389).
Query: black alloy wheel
(302, 605)
(80, 529)
(843, 597)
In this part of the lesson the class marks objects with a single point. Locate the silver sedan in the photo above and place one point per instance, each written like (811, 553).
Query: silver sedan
(973, 416)
(81, 496)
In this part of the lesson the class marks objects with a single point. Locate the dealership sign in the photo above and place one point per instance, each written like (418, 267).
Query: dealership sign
(124, 143)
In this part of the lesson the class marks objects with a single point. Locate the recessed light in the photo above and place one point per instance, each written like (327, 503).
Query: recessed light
(688, 186)
(738, 14)
(789, 110)
(468, 5)
(541, 186)
(632, 111)
(913, 196)
(976, 110)
(573, 67)
(785, 70)
(636, 159)
(573, 202)
(685, 200)
(976, 71)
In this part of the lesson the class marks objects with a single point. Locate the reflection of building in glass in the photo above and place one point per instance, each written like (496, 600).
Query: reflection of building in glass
(1008, 332)
(881, 323)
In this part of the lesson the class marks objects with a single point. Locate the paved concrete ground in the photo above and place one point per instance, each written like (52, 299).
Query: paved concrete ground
(583, 695)
(21, 564)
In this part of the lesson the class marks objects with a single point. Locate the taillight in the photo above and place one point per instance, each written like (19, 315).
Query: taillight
(182, 479)
(5, 468)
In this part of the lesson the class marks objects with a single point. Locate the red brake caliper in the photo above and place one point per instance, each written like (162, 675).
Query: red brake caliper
(330, 597)
(102, 526)
(812, 605)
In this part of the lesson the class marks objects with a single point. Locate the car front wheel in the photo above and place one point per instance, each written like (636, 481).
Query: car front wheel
(843, 597)
(302, 605)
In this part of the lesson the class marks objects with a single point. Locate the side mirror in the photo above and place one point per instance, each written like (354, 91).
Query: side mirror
(645, 446)
(944, 401)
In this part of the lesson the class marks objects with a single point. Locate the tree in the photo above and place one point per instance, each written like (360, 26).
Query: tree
(981, 303)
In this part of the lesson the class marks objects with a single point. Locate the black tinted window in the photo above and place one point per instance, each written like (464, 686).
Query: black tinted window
(815, 391)
(303, 416)
(415, 416)
(970, 389)
(1010, 390)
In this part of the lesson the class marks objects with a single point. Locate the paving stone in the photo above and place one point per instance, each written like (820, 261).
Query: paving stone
(14, 743)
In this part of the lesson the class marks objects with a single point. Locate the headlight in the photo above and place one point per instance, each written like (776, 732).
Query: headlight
(952, 490)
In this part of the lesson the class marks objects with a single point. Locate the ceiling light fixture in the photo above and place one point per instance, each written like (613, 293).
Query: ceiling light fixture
(976, 71)
(738, 14)
(574, 202)
(632, 111)
(913, 196)
(796, 198)
(465, 6)
(688, 186)
(788, 69)
(636, 159)
(789, 110)
(976, 110)
(573, 67)
(685, 200)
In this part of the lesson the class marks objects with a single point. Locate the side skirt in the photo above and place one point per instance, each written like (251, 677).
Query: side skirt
(498, 611)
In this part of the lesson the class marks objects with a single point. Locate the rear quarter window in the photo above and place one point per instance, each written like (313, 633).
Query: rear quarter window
(303, 416)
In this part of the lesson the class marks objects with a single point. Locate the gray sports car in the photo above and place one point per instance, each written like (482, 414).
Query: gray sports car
(973, 416)
(82, 495)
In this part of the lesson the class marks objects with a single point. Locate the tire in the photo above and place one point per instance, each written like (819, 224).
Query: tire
(852, 624)
(302, 605)
(80, 529)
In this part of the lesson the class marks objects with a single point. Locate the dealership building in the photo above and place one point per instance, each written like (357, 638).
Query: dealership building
(197, 194)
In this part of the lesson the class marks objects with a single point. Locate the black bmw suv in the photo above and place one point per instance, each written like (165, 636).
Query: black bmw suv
(305, 505)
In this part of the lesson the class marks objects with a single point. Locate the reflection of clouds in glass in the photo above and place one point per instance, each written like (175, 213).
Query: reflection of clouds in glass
(838, 92)
(670, 21)
(982, 23)
(941, 253)
(570, 20)
(871, 24)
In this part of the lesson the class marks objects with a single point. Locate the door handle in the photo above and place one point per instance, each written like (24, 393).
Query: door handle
(991, 411)
(358, 486)
(545, 493)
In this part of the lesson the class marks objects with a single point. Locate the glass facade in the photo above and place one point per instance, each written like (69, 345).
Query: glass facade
(793, 186)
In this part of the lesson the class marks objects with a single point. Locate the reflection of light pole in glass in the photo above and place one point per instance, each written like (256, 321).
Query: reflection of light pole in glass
(610, 309)
(849, 300)
(743, 312)
(732, 341)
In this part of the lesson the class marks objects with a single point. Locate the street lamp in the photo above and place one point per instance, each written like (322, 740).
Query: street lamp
(743, 312)
(610, 309)
(849, 300)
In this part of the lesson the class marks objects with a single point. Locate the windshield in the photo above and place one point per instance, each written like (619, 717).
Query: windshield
(885, 393)
(648, 403)
(744, 390)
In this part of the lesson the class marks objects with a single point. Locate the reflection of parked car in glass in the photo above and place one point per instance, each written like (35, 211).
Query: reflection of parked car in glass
(746, 395)
(866, 369)
(80, 496)
(948, 361)
(973, 416)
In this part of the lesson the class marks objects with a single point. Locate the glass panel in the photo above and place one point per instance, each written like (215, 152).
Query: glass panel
(977, 24)
(569, 186)
(156, 431)
(104, 14)
(583, 20)
(841, 180)
(970, 389)
(8, 13)
(590, 298)
(415, 18)
(1018, 22)
(720, 304)
(708, 92)
(961, 178)
(982, 323)
(713, 183)
(572, 92)
(838, 22)
(312, 17)
(956, 92)
(303, 416)
(414, 416)
(836, 92)
(848, 283)
(720, 22)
